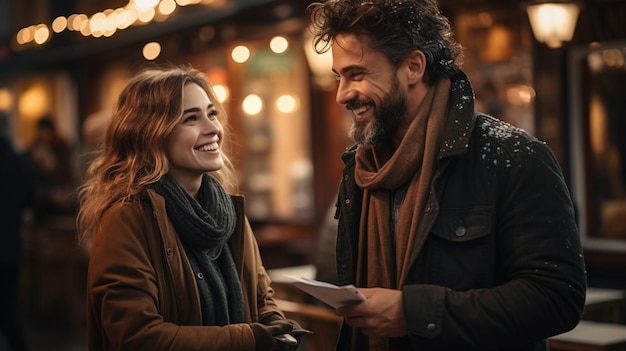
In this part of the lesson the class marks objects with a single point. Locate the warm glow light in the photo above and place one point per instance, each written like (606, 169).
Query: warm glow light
(6, 99)
(519, 95)
(151, 50)
(109, 30)
(146, 4)
(59, 24)
(286, 104)
(240, 54)
(82, 22)
(107, 22)
(526, 94)
(33, 102)
(221, 91)
(167, 7)
(146, 15)
(24, 36)
(71, 22)
(97, 24)
(252, 105)
(279, 44)
(613, 58)
(321, 64)
(85, 28)
(553, 23)
(76, 21)
(42, 34)
(126, 19)
(110, 23)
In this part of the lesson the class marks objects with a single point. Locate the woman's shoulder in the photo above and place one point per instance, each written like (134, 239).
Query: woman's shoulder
(125, 223)
(135, 207)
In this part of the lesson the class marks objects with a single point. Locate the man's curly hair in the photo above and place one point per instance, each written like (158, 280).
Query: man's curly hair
(394, 27)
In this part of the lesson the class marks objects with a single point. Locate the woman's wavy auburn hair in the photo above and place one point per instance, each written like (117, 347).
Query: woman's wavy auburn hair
(393, 27)
(134, 153)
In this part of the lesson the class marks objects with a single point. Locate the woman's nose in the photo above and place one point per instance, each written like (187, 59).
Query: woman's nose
(210, 125)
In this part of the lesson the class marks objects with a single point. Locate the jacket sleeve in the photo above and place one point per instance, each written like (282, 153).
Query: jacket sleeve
(539, 285)
(124, 305)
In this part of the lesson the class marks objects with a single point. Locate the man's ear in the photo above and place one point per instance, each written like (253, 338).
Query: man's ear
(416, 64)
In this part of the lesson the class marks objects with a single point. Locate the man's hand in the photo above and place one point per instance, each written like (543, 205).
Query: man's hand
(381, 314)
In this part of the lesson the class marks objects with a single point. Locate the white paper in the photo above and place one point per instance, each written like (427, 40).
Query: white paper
(332, 295)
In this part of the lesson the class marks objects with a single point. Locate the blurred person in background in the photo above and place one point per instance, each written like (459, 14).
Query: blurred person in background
(16, 191)
(55, 178)
(173, 264)
(458, 227)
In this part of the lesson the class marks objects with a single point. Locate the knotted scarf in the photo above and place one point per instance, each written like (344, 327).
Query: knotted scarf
(204, 227)
(379, 171)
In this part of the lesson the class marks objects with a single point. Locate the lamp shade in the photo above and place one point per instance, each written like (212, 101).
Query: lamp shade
(553, 22)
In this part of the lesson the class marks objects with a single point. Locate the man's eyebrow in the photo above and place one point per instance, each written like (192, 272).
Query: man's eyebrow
(347, 69)
(196, 109)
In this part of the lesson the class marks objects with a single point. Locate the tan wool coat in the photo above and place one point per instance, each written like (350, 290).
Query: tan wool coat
(142, 293)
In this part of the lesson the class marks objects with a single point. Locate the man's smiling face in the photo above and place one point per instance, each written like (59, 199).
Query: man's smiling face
(369, 88)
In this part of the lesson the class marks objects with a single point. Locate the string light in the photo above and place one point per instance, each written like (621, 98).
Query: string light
(104, 23)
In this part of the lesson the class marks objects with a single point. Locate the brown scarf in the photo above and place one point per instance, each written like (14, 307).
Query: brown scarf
(380, 170)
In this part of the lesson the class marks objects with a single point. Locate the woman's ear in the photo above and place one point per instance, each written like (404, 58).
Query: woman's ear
(416, 64)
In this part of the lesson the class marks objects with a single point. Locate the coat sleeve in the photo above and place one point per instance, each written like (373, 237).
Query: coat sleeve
(540, 284)
(125, 311)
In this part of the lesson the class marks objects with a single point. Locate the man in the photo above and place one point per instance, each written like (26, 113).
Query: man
(457, 227)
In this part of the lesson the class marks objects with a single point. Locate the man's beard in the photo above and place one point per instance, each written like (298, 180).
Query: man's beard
(386, 121)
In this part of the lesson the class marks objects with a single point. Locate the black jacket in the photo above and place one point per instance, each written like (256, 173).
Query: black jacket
(502, 267)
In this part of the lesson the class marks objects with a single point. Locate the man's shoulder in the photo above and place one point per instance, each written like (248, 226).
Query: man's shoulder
(498, 133)
(501, 144)
(498, 129)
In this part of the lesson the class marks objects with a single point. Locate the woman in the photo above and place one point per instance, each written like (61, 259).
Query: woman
(174, 264)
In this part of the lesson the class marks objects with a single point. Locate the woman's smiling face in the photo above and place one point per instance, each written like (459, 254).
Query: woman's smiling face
(194, 145)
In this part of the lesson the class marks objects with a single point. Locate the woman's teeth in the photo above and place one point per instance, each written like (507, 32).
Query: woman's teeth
(208, 147)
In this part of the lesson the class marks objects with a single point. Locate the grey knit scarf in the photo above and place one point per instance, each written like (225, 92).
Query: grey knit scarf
(204, 226)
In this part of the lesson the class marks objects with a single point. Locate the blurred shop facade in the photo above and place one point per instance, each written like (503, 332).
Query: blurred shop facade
(70, 59)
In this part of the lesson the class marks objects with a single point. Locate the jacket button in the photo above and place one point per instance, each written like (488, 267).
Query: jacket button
(431, 327)
(348, 201)
(460, 231)
(200, 276)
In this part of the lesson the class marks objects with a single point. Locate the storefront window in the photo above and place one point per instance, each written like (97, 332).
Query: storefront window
(273, 107)
(598, 107)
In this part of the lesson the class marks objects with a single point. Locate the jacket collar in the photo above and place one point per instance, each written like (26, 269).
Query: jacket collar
(461, 117)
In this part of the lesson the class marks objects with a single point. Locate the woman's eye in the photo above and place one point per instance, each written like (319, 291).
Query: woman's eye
(212, 114)
(190, 118)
